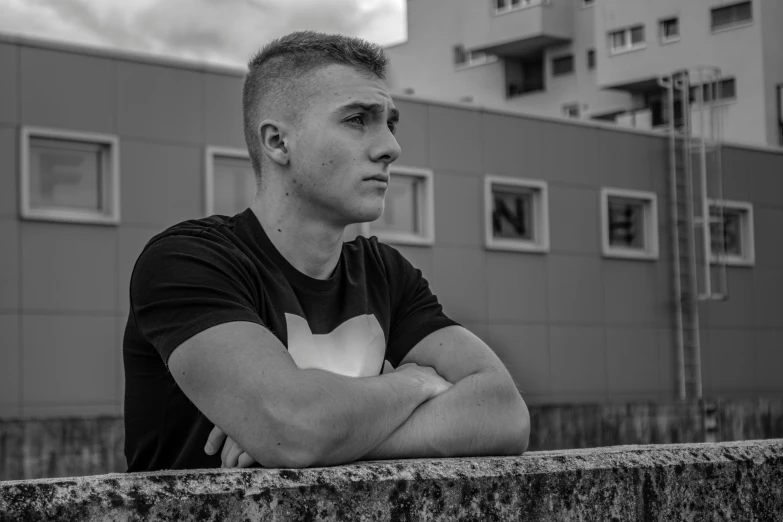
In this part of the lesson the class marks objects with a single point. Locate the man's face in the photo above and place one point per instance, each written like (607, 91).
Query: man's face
(343, 146)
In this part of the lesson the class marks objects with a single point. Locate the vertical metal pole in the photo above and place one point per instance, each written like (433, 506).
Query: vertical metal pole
(669, 84)
(705, 204)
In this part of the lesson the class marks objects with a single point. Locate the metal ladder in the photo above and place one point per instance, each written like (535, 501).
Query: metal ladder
(694, 149)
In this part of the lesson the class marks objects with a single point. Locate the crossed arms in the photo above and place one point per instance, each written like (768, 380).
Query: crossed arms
(451, 396)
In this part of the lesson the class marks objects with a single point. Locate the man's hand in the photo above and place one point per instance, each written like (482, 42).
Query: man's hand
(232, 456)
(427, 376)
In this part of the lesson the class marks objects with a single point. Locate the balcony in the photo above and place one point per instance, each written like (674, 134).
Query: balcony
(517, 28)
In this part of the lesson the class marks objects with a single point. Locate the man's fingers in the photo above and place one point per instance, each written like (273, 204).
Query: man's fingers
(227, 446)
(245, 461)
(233, 455)
(214, 441)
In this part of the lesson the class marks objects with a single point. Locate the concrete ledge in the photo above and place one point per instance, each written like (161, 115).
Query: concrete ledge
(724, 481)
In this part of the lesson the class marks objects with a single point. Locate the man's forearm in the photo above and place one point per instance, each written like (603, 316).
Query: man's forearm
(346, 417)
(477, 416)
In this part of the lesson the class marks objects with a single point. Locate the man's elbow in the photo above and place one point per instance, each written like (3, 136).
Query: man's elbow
(518, 425)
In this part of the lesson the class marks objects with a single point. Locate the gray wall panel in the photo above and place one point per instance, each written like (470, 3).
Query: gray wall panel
(630, 293)
(625, 161)
(516, 287)
(525, 352)
(460, 283)
(223, 111)
(413, 134)
(732, 361)
(161, 103)
(578, 358)
(738, 311)
(162, 184)
(82, 276)
(9, 365)
(574, 224)
(9, 171)
(10, 270)
(576, 292)
(459, 209)
(768, 235)
(68, 361)
(570, 153)
(769, 360)
(768, 291)
(513, 146)
(9, 83)
(68, 91)
(633, 360)
(455, 143)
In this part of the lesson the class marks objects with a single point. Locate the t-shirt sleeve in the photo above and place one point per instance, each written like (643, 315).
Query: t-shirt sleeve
(183, 285)
(416, 312)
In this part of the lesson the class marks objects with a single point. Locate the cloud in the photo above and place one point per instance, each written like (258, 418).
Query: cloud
(224, 31)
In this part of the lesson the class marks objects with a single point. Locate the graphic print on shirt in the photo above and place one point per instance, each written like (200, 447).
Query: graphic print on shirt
(355, 348)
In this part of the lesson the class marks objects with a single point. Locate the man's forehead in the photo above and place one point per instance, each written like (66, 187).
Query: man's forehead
(339, 85)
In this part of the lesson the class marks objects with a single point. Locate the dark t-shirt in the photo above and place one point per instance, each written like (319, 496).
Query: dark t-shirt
(201, 273)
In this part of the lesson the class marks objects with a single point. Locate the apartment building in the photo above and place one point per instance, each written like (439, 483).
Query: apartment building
(600, 59)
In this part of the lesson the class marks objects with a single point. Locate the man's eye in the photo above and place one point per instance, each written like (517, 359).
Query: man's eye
(393, 127)
(356, 119)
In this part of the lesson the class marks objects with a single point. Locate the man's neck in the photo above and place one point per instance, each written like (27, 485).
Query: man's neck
(312, 247)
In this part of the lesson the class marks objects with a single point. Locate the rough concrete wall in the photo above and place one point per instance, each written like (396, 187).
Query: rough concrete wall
(726, 481)
(32, 449)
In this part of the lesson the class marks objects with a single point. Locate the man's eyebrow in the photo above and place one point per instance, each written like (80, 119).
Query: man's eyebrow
(374, 108)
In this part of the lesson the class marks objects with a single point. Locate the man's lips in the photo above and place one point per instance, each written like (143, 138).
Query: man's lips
(378, 177)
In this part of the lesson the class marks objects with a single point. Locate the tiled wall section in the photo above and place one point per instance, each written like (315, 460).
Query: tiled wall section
(571, 325)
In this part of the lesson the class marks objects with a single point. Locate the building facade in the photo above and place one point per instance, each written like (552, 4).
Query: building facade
(550, 239)
(599, 59)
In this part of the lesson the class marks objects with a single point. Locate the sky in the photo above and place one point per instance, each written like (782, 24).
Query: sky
(226, 32)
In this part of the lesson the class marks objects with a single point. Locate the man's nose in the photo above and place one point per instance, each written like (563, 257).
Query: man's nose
(388, 150)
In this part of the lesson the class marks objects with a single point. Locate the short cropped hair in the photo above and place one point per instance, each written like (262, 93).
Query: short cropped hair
(276, 73)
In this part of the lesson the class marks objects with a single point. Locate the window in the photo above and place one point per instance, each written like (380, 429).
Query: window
(463, 58)
(591, 59)
(731, 16)
(629, 224)
(629, 39)
(504, 6)
(571, 110)
(69, 176)
(670, 30)
(409, 214)
(230, 181)
(562, 65)
(723, 90)
(516, 214)
(524, 75)
(731, 232)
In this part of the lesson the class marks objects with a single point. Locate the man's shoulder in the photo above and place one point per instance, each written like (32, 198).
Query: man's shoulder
(371, 248)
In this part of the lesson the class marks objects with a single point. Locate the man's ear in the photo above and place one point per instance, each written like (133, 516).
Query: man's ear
(273, 137)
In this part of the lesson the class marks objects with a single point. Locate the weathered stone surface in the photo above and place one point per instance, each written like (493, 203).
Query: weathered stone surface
(724, 481)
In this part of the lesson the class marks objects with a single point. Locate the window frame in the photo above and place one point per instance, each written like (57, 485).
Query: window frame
(210, 152)
(746, 229)
(733, 25)
(471, 61)
(426, 212)
(110, 197)
(629, 46)
(652, 250)
(541, 244)
(592, 59)
(661, 31)
(523, 4)
(562, 59)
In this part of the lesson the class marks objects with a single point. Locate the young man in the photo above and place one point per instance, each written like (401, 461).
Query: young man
(261, 338)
